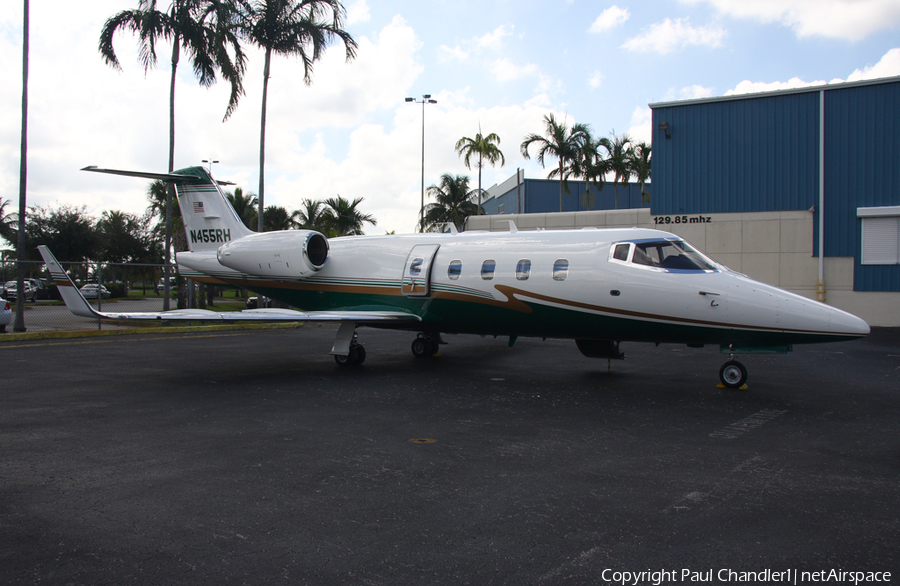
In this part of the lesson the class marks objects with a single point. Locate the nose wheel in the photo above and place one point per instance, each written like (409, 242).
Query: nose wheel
(424, 346)
(733, 374)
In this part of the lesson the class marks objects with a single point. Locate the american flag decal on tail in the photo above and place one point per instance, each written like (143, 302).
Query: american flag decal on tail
(198, 207)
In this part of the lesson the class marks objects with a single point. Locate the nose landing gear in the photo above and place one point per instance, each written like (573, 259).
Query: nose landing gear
(425, 345)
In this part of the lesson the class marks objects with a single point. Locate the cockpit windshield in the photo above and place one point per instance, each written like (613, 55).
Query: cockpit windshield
(675, 255)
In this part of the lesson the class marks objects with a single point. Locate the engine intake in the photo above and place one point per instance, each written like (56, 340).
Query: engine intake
(287, 253)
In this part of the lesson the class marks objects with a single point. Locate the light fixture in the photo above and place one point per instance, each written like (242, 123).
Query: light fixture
(664, 126)
(426, 99)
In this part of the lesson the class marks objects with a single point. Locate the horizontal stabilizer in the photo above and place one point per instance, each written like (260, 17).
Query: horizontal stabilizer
(144, 174)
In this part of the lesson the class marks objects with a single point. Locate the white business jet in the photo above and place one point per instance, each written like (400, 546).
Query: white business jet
(598, 287)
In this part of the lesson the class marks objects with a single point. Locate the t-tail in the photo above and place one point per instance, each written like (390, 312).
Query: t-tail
(209, 218)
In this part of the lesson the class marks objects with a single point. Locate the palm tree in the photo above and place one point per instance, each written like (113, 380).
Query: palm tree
(8, 223)
(454, 203)
(483, 146)
(244, 205)
(277, 218)
(313, 215)
(561, 142)
(206, 30)
(348, 220)
(619, 157)
(591, 166)
(640, 165)
(299, 28)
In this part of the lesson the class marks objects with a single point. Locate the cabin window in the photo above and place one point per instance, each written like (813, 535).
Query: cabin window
(455, 269)
(487, 269)
(560, 270)
(415, 267)
(621, 252)
(523, 269)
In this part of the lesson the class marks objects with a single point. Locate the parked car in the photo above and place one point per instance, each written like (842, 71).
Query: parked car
(162, 284)
(11, 291)
(91, 289)
(41, 291)
(5, 314)
(252, 302)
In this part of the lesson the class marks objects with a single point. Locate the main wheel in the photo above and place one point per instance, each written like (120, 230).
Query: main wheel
(358, 354)
(355, 357)
(733, 374)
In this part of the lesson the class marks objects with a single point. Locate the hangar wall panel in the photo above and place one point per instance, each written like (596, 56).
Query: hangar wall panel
(736, 156)
(760, 153)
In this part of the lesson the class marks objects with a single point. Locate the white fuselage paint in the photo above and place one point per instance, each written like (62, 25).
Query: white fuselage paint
(641, 302)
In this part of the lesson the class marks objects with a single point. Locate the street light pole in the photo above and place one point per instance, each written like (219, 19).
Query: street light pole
(426, 99)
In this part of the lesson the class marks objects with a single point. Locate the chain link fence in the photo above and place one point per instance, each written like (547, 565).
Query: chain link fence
(126, 287)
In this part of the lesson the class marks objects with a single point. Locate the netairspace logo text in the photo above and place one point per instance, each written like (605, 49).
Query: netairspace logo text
(729, 576)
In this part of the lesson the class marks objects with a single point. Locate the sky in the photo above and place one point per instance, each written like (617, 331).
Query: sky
(497, 65)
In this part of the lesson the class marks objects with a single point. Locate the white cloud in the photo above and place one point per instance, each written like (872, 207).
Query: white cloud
(358, 12)
(641, 129)
(842, 19)
(447, 54)
(506, 70)
(609, 19)
(669, 35)
(752, 87)
(690, 92)
(494, 39)
(888, 66)
(595, 79)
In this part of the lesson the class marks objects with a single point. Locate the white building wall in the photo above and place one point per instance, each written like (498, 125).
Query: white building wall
(772, 247)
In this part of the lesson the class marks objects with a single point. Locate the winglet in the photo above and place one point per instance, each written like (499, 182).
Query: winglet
(75, 301)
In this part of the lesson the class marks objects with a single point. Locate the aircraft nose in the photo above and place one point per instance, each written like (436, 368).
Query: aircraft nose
(847, 323)
(825, 317)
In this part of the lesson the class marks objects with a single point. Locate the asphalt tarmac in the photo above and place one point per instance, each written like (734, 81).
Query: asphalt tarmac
(252, 458)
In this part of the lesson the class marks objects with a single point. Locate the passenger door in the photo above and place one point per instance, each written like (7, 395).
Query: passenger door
(417, 270)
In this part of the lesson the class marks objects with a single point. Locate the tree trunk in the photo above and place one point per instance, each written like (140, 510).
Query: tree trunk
(560, 184)
(23, 177)
(262, 143)
(170, 188)
(478, 213)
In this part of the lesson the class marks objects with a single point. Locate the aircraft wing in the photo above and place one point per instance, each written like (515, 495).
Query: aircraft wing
(78, 305)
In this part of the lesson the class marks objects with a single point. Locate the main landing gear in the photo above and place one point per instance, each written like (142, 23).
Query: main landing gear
(733, 374)
(426, 345)
(355, 357)
(347, 351)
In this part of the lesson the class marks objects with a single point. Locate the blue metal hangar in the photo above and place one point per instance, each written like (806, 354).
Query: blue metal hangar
(832, 150)
(797, 188)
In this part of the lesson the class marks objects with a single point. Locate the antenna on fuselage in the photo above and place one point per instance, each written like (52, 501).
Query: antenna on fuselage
(512, 226)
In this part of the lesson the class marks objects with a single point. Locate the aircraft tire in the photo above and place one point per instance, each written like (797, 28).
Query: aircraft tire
(733, 374)
(355, 357)
(358, 353)
(421, 347)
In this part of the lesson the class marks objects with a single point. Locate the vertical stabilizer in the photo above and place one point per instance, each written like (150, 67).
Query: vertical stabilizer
(209, 218)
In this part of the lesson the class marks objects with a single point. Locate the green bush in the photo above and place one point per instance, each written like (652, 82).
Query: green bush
(116, 290)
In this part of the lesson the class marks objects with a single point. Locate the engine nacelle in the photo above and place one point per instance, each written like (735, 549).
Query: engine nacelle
(287, 253)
